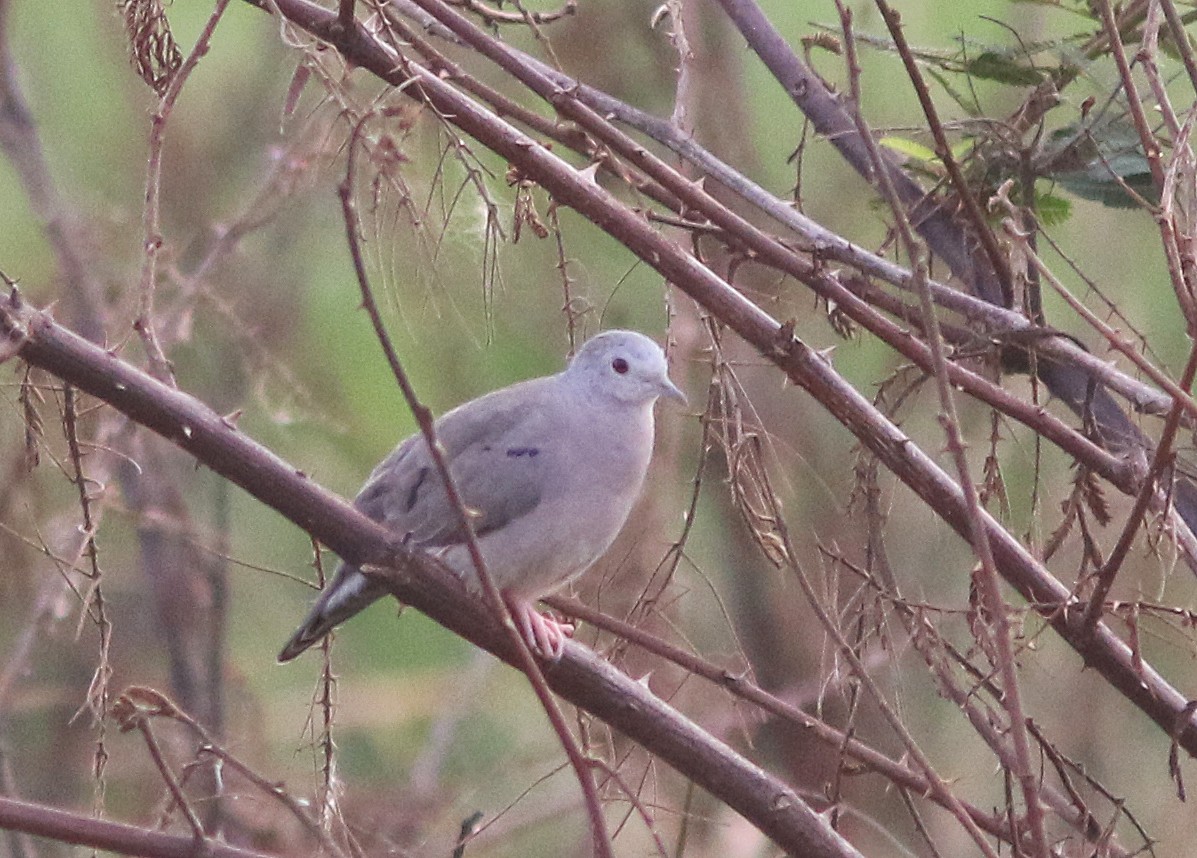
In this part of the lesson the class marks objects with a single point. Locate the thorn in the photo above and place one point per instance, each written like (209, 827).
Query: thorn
(590, 173)
(784, 339)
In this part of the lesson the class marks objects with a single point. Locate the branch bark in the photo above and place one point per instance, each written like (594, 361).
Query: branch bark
(67, 827)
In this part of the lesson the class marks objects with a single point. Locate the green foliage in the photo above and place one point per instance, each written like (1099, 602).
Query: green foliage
(1101, 163)
(918, 152)
(1002, 67)
(1023, 64)
(910, 149)
(1051, 209)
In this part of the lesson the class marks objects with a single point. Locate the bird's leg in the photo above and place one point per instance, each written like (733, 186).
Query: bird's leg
(544, 634)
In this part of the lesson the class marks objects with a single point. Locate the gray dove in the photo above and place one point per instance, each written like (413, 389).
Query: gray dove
(548, 470)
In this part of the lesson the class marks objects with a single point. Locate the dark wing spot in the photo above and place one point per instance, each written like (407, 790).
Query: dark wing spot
(414, 494)
(486, 448)
(517, 452)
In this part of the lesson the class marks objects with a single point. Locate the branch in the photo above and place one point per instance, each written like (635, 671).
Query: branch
(67, 827)
(1104, 651)
(1005, 325)
(417, 580)
(1079, 389)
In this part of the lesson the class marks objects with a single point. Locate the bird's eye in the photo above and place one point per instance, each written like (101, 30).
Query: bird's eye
(619, 365)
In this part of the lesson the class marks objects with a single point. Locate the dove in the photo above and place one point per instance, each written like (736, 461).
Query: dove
(548, 470)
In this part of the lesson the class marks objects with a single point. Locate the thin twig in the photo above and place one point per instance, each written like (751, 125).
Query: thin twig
(493, 598)
(1160, 464)
(1151, 148)
(172, 783)
(1180, 38)
(93, 603)
(327, 702)
(523, 16)
(943, 150)
(634, 800)
(990, 581)
(152, 240)
(138, 705)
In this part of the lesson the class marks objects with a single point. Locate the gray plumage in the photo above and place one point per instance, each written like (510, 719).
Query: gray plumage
(549, 468)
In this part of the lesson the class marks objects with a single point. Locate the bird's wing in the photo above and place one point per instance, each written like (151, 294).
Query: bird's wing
(497, 448)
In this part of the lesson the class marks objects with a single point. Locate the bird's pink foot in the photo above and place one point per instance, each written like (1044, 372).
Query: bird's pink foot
(544, 634)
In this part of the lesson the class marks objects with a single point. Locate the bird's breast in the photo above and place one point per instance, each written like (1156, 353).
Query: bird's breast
(611, 453)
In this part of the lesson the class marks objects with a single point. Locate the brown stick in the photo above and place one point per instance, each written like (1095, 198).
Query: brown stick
(51, 822)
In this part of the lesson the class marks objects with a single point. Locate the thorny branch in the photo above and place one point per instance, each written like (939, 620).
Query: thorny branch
(118, 837)
(138, 707)
(1002, 629)
(418, 580)
(1104, 651)
(151, 214)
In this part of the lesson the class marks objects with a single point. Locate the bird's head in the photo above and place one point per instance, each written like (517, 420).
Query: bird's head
(625, 366)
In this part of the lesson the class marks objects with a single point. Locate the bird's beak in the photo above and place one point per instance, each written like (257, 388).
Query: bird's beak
(669, 390)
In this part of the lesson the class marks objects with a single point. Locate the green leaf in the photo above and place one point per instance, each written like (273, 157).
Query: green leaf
(1051, 209)
(963, 147)
(1100, 163)
(1105, 189)
(992, 65)
(911, 149)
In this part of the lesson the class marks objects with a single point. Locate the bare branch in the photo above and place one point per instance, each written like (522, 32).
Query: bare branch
(44, 821)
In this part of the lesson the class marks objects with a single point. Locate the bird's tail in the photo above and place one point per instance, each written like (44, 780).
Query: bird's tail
(349, 592)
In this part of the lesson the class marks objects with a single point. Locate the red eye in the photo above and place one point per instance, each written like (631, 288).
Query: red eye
(619, 365)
